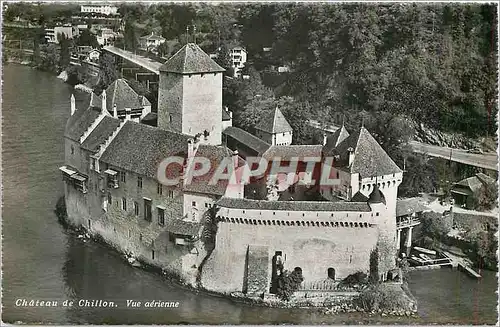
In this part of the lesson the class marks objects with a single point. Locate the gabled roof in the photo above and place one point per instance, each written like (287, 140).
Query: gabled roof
(370, 160)
(247, 139)
(474, 183)
(191, 59)
(100, 134)
(80, 121)
(122, 94)
(152, 37)
(286, 152)
(336, 138)
(274, 122)
(140, 148)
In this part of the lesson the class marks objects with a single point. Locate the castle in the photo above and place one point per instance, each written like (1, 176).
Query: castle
(112, 188)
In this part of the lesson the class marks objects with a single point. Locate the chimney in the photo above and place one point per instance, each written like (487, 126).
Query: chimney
(190, 148)
(73, 104)
(351, 155)
(324, 138)
(231, 114)
(103, 103)
(115, 111)
(235, 159)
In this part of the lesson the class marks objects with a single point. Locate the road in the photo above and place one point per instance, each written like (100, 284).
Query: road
(486, 160)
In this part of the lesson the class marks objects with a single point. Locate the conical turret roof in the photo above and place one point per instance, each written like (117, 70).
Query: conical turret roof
(376, 196)
(191, 59)
(274, 122)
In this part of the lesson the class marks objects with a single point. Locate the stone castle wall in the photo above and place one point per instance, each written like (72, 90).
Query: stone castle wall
(131, 233)
(315, 249)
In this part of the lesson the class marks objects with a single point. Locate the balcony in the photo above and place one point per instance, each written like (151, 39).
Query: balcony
(407, 222)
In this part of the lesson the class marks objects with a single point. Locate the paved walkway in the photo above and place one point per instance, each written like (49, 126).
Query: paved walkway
(149, 64)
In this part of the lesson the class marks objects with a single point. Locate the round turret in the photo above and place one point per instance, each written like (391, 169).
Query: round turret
(376, 196)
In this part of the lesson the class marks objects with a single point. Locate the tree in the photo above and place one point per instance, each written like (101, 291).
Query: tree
(87, 38)
(288, 283)
(130, 37)
(64, 44)
(486, 198)
(108, 72)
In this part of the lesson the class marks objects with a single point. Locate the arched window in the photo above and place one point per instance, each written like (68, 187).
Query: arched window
(331, 273)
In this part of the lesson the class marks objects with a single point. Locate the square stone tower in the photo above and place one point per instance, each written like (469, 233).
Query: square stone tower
(190, 95)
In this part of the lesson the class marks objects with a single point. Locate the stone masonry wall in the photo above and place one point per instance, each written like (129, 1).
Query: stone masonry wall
(314, 249)
(202, 105)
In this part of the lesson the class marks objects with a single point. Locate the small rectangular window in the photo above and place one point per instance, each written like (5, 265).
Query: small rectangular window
(136, 208)
(109, 198)
(170, 193)
(124, 204)
(139, 182)
(159, 189)
(194, 203)
(122, 176)
(161, 217)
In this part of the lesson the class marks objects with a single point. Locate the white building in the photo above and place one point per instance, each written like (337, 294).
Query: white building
(68, 31)
(106, 36)
(99, 9)
(238, 58)
(151, 42)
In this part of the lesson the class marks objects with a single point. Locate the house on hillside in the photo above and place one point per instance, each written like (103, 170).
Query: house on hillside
(465, 190)
(151, 42)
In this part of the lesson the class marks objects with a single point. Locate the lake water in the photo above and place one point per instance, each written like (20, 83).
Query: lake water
(42, 261)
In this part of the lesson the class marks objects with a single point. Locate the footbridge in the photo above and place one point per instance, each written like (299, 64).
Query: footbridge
(138, 60)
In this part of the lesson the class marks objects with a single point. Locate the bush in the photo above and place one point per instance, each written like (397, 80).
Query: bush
(288, 283)
(385, 298)
(434, 225)
(358, 278)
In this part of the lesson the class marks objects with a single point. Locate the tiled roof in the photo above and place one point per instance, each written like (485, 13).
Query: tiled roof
(191, 59)
(485, 179)
(152, 37)
(100, 134)
(293, 205)
(336, 138)
(274, 122)
(247, 139)
(408, 206)
(140, 148)
(121, 94)
(370, 160)
(286, 152)
(474, 183)
(181, 227)
(80, 121)
(216, 155)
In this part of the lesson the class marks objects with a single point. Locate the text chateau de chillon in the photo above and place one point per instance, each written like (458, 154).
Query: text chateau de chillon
(112, 188)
